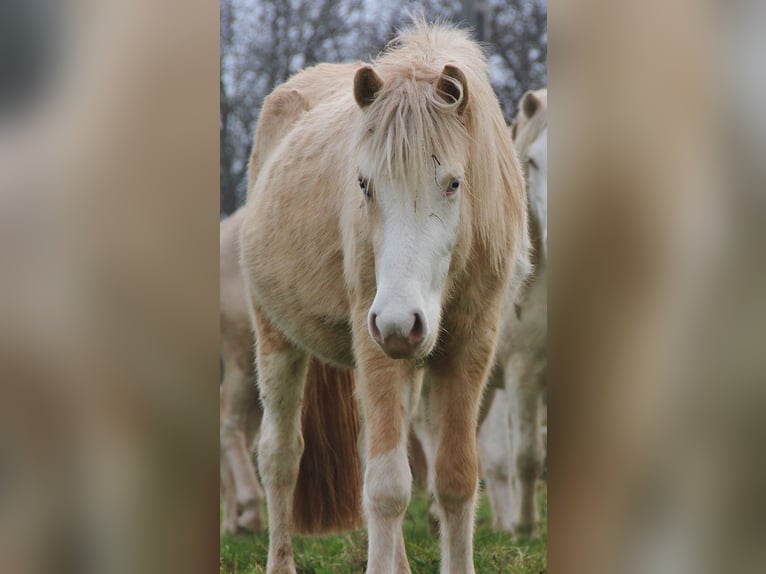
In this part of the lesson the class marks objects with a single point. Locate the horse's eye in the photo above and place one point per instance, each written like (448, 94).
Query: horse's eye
(532, 163)
(454, 185)
(364, 184)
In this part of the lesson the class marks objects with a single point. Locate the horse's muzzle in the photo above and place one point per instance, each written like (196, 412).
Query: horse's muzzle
(400, 339)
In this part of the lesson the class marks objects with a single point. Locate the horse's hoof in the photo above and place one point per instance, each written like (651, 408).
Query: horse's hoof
(433, 524)
(250, 520)
(523, 530)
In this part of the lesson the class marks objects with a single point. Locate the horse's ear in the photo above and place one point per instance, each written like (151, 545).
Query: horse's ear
(367, 84)
(452, 86)
(290, 102)
(530, 104)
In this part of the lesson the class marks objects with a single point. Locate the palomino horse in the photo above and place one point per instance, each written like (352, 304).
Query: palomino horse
(382, 233)
(510, 442)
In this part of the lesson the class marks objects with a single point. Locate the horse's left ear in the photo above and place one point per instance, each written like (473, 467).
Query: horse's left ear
(452, 86)
(367, 84)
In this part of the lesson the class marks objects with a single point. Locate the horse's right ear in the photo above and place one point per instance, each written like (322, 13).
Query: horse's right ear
(453, 87)
(367, 84)
(290, 102)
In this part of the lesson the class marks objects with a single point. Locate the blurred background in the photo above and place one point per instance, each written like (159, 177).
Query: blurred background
(264, 42)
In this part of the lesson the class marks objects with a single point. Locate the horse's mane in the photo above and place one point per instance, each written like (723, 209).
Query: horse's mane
(410, 121)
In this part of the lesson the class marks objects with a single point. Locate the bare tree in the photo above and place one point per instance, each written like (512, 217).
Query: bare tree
(264, 42)
(228, 175)
(518, 34)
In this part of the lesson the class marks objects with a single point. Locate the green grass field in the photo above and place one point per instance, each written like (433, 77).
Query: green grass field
(494, 552)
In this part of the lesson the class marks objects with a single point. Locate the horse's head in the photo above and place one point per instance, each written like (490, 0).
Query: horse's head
(530, 138)
(412, 151)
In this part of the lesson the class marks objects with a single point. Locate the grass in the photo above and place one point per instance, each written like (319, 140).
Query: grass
(494, 552)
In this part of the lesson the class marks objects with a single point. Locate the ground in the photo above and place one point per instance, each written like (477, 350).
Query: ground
(494, 552)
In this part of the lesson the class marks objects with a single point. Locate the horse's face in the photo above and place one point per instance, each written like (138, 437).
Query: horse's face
(413, 223)
(414, 233)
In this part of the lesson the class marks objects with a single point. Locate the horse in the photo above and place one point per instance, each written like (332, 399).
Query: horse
(381, 234)
(511, 444)
(240, 406)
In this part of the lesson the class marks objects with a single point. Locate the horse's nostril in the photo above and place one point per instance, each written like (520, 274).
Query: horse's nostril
(374, 326)
(416, 335)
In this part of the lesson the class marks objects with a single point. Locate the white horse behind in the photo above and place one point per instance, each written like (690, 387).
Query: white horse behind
(512, 438)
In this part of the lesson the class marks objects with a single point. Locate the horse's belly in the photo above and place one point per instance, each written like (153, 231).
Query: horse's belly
(331, 342)
(298, 282)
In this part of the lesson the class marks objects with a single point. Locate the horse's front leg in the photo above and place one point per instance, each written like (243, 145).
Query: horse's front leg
(457, 383)
(389, 391)
(455, 413)
(282, 376)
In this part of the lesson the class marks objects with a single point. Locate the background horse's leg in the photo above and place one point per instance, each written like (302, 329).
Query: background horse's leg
(524, 408)
(250, 517)
(281, 378)
(495, 457)
(389, 392)
(228, 495)
(424, 430)
(239, 404)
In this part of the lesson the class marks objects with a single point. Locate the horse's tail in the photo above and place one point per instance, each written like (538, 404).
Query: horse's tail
(328, 494)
